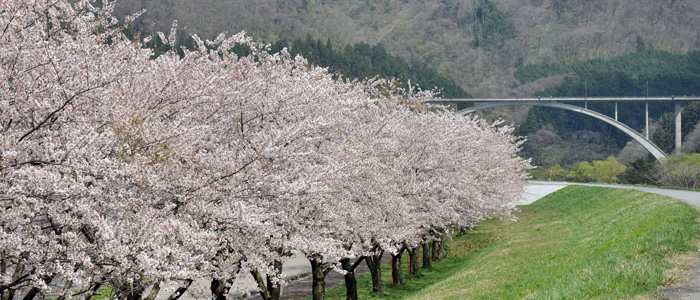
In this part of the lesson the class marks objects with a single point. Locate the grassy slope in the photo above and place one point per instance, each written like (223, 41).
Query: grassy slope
(578, 243)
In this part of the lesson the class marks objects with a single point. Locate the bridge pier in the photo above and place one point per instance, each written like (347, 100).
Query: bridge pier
(646, 117)
(556, 103)
(679, 135)
(655, 150)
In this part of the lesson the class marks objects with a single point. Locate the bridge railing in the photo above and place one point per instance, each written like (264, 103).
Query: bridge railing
(559, 99)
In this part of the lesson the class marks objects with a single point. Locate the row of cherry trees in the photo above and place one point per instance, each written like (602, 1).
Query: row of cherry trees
(123, 171)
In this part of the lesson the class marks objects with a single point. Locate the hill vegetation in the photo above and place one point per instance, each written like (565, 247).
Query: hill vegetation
(477, 42)
(488, 48)
(362, 61)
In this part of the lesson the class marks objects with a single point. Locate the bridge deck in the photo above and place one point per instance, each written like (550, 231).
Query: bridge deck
(581, 99)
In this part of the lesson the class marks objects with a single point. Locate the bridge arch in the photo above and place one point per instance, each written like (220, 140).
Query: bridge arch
(647, 144)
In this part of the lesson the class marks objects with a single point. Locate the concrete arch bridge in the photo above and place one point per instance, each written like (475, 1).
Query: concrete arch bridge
(484, 103)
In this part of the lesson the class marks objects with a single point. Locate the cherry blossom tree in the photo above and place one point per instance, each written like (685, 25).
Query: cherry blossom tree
(56, 153)
(122, 170)
(90, 128)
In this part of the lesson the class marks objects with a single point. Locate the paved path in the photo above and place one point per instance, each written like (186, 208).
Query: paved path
(536, 190)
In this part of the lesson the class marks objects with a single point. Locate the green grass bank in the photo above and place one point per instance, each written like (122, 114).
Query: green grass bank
(578, 243)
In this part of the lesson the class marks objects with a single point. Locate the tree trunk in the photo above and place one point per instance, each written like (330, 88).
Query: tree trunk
(219, 289)
(264, 293)
(441, 247)
(318, 273)
(461, 232)
(268, 289)
(10, 292)
(436, 249)
(413, 261)
(135, 293)
(350, 280)
(183, 288)
(92, 292)
(396, 272)
(427, 255)
(69, 284)
(31, 294)
(374, 263)
(154, 292)
(274, 288)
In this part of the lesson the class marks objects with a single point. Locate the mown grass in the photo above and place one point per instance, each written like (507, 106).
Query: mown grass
(578, 243)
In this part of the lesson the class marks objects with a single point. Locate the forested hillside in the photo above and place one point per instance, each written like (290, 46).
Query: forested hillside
(365, 61)
(357, 62)
(479, 43)
(488, 48)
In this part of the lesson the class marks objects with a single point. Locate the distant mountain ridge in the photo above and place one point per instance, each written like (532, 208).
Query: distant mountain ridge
(491, 48)
(479, 43)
